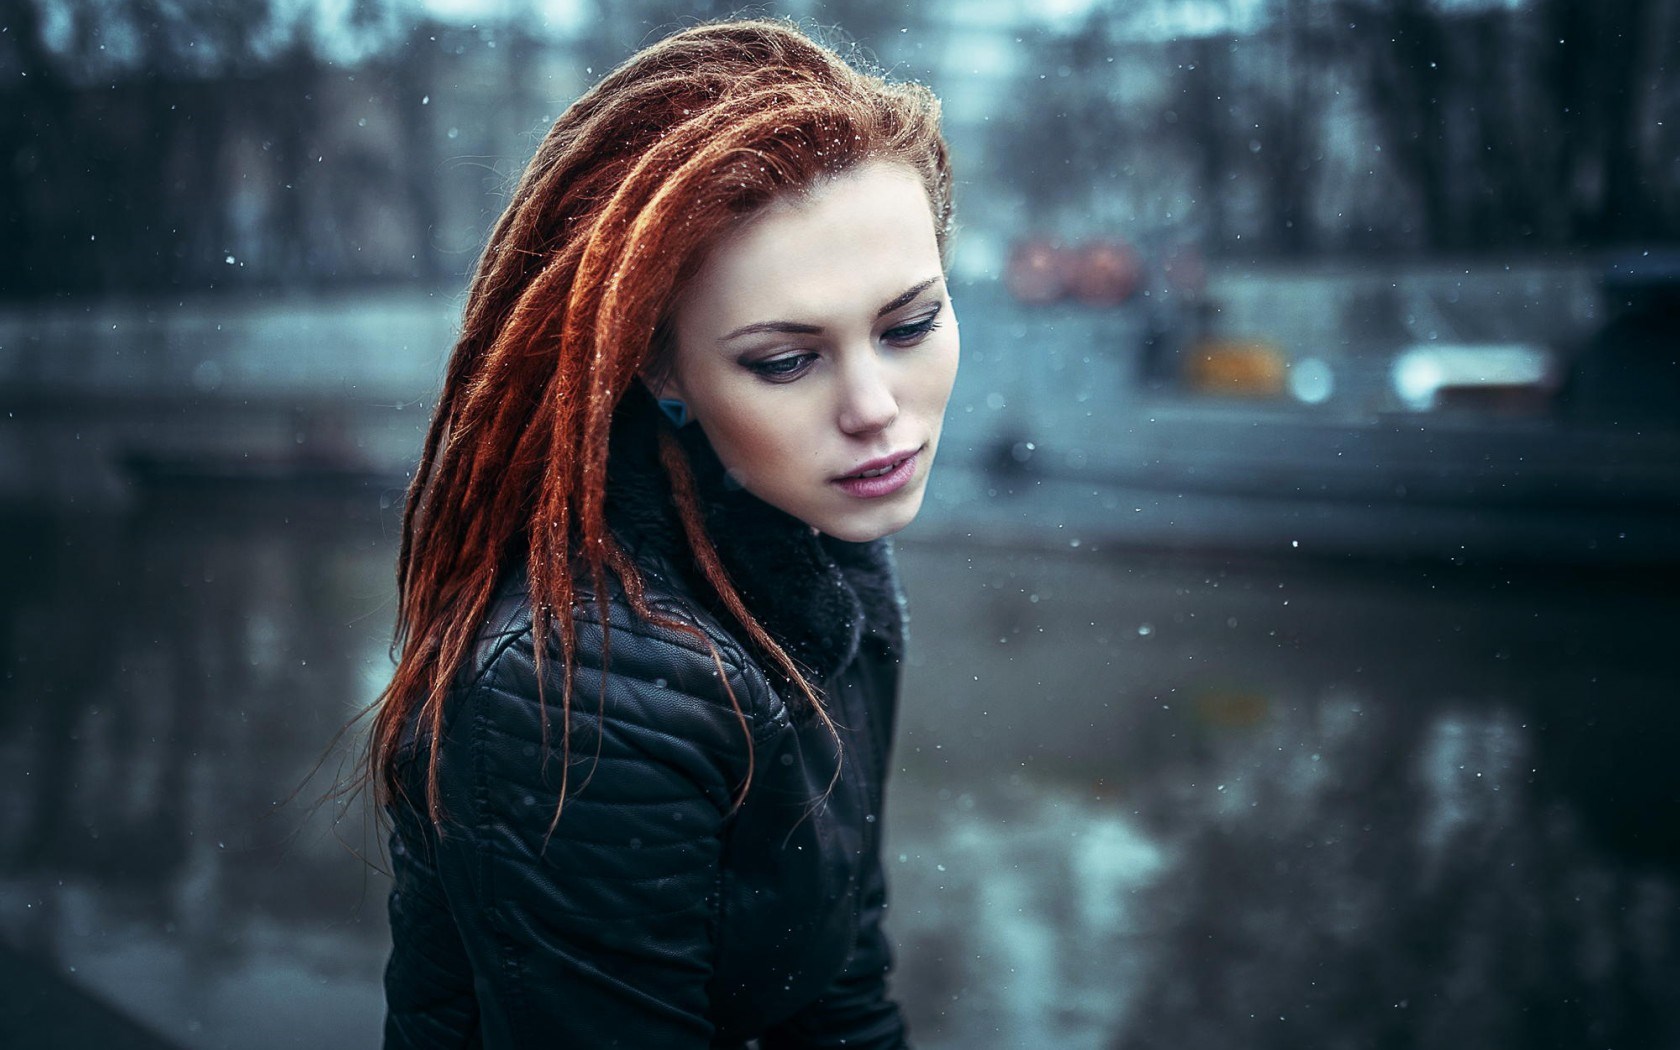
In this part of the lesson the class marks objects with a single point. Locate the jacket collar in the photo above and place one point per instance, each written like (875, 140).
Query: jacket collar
(819, 597)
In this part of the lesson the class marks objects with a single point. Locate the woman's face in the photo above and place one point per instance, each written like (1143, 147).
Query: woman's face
(816, 347)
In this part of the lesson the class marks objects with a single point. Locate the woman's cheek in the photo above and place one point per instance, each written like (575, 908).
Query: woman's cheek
(943, 377)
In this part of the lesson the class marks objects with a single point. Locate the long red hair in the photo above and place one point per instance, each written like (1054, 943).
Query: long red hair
(570, 302)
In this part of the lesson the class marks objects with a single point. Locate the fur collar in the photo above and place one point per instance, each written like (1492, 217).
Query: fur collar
(817, 596)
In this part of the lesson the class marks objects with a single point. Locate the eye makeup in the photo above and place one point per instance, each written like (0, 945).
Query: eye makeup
(913, 332)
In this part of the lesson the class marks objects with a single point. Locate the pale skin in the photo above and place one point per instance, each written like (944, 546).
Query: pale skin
(816, 348)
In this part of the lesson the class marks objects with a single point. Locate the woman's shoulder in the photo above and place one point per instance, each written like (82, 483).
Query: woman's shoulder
(688, 668)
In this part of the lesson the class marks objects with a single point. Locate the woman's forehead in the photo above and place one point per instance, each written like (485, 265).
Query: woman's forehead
(864, 235)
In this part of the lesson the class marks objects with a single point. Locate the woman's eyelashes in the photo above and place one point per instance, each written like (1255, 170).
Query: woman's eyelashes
(787, 367)
(914, 332)
(781, 369)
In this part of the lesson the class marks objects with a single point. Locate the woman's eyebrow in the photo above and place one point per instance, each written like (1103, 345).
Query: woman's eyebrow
(907, 295)
(796, 328)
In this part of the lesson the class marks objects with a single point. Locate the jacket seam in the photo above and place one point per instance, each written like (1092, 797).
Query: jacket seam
(507, 952)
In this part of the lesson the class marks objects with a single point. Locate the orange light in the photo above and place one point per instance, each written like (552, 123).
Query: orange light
(1235, 368)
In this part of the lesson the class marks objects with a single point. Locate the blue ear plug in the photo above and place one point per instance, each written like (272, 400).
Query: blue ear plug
(676, 410)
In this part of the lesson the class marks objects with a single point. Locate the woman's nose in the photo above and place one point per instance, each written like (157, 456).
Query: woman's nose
(867, 401)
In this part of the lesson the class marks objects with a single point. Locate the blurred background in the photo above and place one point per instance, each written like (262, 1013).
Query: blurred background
(1293, 612)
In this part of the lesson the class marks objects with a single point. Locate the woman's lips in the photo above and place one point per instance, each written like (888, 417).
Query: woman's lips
(897, 470)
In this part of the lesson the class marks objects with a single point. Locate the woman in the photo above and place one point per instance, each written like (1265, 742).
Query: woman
(700, 377)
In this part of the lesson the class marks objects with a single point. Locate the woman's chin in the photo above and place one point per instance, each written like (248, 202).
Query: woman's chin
(875, 523)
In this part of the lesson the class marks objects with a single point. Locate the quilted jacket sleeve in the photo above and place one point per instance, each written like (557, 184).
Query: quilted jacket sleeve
(596, 932)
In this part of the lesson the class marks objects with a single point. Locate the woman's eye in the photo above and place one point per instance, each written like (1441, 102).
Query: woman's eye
(782, 369)
(912, 333)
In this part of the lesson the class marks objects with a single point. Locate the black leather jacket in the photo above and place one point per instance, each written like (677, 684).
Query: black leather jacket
(653, 914)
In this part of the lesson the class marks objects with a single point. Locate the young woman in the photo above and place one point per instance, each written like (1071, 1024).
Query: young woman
(635, 745)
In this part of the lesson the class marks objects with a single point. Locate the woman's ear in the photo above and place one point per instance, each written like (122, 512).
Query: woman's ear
(662, 385)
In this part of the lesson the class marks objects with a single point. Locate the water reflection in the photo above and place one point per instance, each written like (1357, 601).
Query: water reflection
(1140, 801)
(174, 677)
(1253, 806)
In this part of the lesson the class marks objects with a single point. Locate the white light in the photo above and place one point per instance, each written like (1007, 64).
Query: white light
(1422, 371)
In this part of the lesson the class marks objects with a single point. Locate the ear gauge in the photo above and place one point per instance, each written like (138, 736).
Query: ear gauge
(676, 410)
